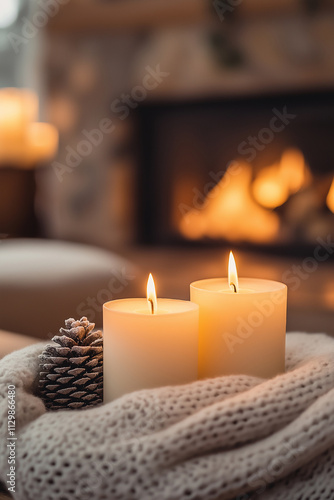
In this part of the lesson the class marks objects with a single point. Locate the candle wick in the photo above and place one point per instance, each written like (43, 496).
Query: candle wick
(232, 285)
(152, 305)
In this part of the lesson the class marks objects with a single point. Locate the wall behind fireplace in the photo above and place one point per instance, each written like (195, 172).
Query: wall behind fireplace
(224, 78)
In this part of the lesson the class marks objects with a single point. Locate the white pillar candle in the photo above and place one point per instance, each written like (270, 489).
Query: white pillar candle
(242, 325)
(148, 343)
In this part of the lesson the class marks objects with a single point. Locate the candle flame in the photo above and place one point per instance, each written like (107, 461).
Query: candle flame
(151, 295)
(232, 274)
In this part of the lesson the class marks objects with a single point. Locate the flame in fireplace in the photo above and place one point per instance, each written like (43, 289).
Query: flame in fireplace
(231, 212)
(330, 197)
(293, 170)
(267, 188)
(275, 184)
(239, 208)
(193, 225)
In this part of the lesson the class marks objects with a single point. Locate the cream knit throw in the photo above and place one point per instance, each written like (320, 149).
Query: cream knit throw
(230, 437)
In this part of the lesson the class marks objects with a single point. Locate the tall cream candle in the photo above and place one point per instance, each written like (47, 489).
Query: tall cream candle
(242, 325)
(148, 343)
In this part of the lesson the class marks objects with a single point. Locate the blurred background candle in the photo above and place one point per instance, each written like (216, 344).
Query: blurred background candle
(26, 145)
(242, 325)
(24, 142)
(148, 343)
(42, 143)
(18, 107)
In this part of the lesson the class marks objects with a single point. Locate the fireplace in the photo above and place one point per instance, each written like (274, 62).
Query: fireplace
(256, 172)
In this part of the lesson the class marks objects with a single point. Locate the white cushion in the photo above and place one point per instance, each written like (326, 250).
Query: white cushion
(43, 282)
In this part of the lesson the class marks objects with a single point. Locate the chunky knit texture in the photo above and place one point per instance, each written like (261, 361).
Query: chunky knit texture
(224, 438)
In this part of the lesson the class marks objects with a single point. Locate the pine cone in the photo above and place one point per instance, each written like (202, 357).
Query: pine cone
(71, 373)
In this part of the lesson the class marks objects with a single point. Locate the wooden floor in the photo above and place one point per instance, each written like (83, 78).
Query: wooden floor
(310, 297)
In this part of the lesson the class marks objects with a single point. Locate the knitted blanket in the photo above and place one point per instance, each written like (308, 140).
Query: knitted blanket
(225, 438)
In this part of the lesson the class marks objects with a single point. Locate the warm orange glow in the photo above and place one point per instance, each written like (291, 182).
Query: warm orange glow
(232, 274)
(230, 212)
(18, 104)
(43, 142)
(268, 189)
(275, 184)
(293, 171)
(240, 209)
(151, 295)
(23, 141)
(192, 225)
(328, 294)
(330, 197)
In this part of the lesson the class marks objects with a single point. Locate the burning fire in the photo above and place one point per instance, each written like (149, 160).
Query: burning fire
(238, 209)
(232, 213)
(275, 184)
(330, 198)
(293, 170)
(268, 190)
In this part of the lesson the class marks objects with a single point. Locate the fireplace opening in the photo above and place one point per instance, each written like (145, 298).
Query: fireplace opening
(256, 172)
